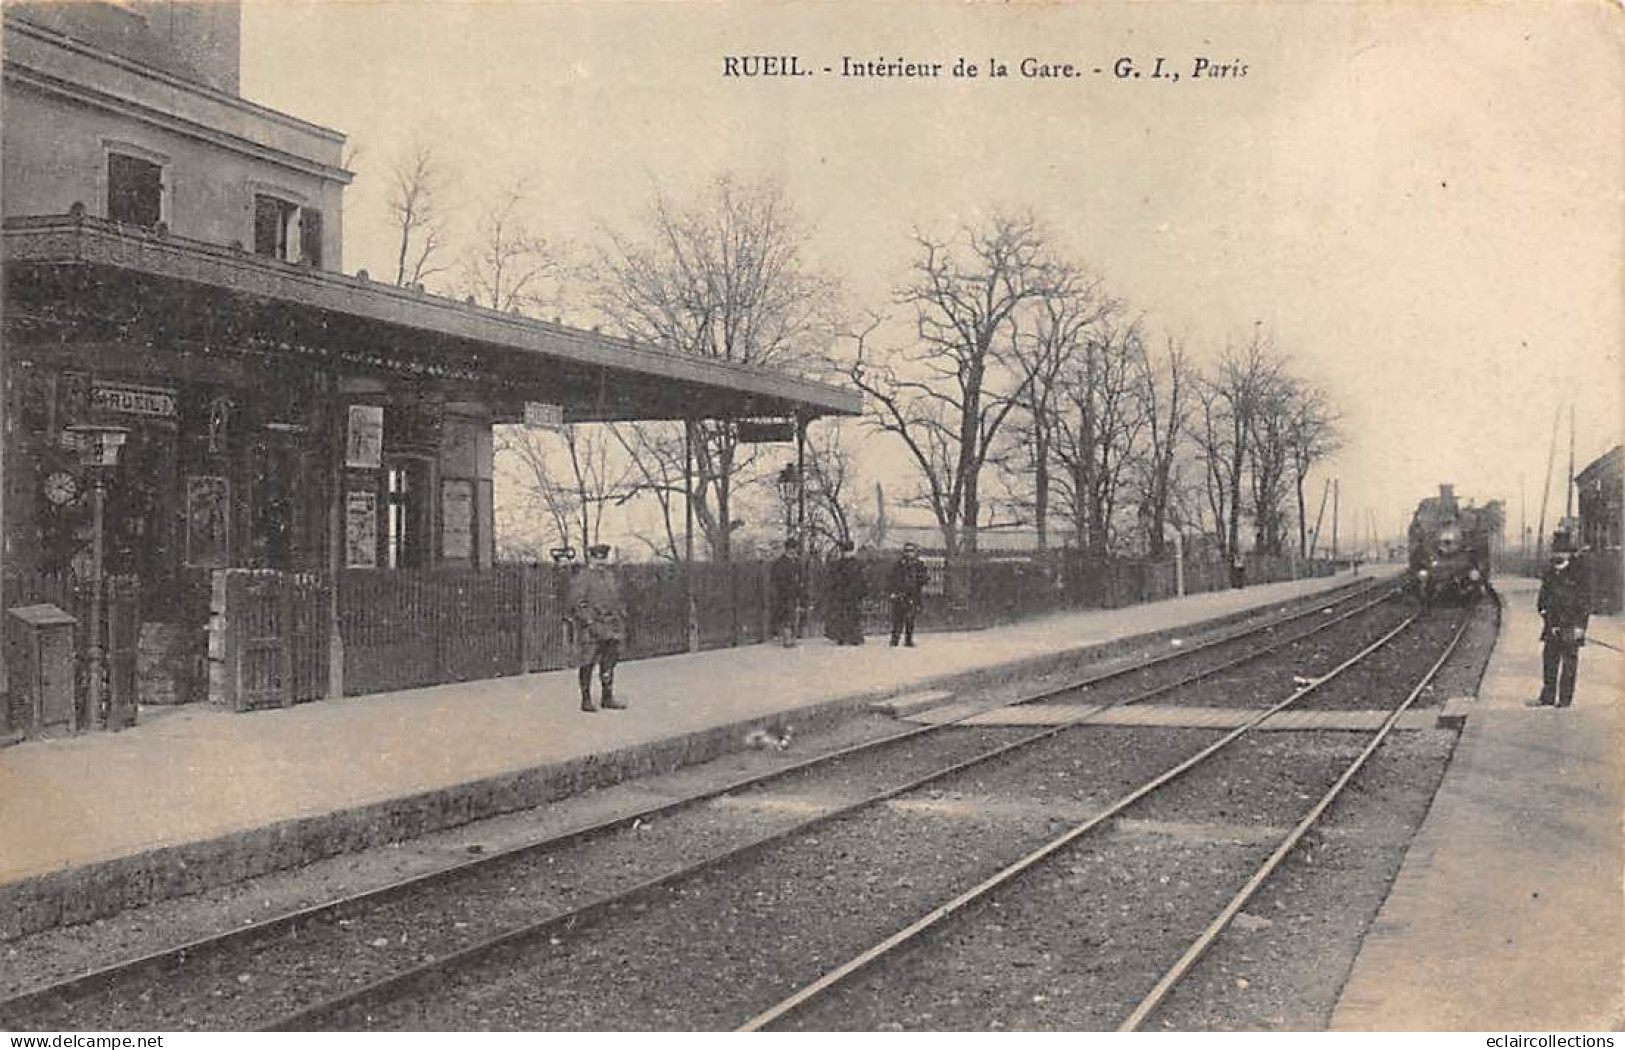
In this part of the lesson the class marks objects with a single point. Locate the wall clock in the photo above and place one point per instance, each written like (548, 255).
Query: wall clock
(61, 487)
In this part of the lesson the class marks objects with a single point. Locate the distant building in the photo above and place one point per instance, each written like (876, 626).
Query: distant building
(1599, 487)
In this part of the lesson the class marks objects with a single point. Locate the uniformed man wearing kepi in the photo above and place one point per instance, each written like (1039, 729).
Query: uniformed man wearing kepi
(905, 587)
(1565, 606)
(599, 613)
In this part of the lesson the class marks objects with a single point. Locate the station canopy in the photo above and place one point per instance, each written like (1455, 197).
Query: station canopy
(100, 281)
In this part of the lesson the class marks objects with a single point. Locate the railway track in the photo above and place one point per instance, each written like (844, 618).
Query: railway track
(909, 936)
(74, 1001)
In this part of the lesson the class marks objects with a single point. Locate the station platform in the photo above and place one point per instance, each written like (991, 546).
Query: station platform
(195, 796)
(1508, 913)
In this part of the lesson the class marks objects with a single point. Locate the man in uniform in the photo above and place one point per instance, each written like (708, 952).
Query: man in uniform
(906, 589)
(600, 622)
(1565, 606)
(785, 582)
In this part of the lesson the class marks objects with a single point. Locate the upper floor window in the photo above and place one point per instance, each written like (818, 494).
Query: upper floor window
(135, 190)
(285, 230)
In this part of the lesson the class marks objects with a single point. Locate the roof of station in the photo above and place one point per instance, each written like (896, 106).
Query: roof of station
(359, 325)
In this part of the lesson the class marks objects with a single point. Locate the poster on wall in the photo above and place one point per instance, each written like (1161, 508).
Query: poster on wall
(364, 443)
(457, 518)
(361, 529)
(208, 522)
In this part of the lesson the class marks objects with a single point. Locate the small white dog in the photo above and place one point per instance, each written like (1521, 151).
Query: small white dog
(762, 738)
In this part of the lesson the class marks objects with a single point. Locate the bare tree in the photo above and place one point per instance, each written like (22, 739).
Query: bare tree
(1165, 399)
(834, 489)
(1045, 340)
(658, 474)
(415, 209)
(721, 277)
(1098, 425)
(573, 474)
(1268, 433)
(510, 267)
(1228, 399)
(1312, 435)
(947, 396)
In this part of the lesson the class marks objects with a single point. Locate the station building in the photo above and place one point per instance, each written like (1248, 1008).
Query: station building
(1600, 488)
(174, 268)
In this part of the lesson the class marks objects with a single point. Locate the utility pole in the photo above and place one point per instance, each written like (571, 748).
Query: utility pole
(1568, 482)
(1523, 519)
(1314, 544)
(1336, 492)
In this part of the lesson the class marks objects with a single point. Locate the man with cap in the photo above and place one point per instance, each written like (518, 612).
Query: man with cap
(905, 586)
(1564, 604)
(784, 580)
(600, 622)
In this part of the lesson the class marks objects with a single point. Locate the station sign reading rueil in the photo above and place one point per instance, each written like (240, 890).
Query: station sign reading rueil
(134, 400)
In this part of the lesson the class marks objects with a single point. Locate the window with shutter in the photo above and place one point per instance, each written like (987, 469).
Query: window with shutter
(135, 190)
(310, 237)
(273, 218)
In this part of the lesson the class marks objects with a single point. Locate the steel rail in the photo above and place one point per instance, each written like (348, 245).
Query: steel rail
(305, 1017)
(1037, 856)
(82, 985)
(1205, 940)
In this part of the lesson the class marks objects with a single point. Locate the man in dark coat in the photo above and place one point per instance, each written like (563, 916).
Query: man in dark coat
(785, 585)
(905, 586)
(847, 587)
(1565, 607)
(599, 615)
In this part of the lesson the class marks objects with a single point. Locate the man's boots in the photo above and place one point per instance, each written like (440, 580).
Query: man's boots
(586, 691)
(609, 695)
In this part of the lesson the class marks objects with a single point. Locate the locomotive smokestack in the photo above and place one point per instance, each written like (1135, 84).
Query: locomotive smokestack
(1447, 499)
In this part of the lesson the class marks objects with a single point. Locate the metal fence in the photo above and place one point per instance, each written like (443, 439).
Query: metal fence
(405, 629)
(1000, 589)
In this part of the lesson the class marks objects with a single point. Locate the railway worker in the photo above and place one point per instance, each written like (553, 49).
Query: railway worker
(785, 585)
(847, 587)
(599, 613)
(905, 587)
(1565, 607)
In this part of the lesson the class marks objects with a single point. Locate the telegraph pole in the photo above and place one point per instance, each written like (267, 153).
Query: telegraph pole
(1568, 482)
(1337, 486)
(1523, 519)
(1546, 489)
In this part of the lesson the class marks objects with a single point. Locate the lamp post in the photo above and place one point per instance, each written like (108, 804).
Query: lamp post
(98, 451)
(789, 484)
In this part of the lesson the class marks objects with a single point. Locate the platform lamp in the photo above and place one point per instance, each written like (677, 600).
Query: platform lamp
(789, 483)
(98, 451)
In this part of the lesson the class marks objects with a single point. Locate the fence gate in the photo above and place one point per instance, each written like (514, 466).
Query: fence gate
(267, 638)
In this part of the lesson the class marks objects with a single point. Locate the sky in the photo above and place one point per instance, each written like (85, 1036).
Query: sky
(1420, 203)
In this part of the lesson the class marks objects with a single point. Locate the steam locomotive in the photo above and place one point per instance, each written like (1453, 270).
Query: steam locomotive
(1450, 548)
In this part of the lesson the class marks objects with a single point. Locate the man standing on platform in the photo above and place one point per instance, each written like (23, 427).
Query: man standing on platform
(1565, 606)
(847, 588)
(785, 582)
(600, 621)
(906, 589)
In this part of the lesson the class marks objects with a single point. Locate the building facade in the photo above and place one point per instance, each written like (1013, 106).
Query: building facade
(1600, 488)
(174, 263)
